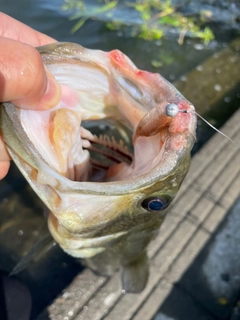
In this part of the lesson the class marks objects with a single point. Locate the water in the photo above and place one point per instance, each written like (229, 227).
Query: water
(171, 59)
(22, 214)
(47, 17)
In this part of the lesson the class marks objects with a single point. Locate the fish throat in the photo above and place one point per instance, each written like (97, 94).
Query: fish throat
(106, 150)
(97, 151)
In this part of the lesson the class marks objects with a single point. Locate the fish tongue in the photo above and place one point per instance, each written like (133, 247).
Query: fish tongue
(74, 162)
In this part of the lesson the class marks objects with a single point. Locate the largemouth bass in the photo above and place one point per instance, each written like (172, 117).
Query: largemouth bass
(107, 196)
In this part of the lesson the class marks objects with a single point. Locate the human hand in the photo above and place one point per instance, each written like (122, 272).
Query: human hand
(23, 78)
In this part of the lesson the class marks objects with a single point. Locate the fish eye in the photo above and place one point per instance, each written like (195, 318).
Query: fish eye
(172, 110)
(155, 203)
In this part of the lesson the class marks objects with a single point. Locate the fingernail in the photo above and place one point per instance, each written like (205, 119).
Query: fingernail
(53, 92)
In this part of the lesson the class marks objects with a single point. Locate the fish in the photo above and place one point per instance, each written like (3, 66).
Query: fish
(107, 160)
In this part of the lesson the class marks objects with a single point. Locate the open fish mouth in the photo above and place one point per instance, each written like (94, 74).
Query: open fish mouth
(108, 159)
(56, 150)
(98, 86)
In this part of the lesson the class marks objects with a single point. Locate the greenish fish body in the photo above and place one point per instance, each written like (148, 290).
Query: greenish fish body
(107, 196)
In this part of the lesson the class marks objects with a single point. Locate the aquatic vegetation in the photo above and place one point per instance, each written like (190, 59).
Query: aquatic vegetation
(147, 19)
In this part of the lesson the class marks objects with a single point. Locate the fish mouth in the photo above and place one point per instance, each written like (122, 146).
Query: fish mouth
(106, 90)
(106, 151)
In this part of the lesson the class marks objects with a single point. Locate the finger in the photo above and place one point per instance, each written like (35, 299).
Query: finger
(13, 29)
(4, 167)
(23, 78)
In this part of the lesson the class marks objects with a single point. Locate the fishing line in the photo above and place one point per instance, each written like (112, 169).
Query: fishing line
(223, 134)
(212, 126)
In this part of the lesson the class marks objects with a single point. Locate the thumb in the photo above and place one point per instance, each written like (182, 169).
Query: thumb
(23, 78)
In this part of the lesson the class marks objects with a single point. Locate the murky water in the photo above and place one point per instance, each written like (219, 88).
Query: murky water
(176, 60)
(22, 221)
